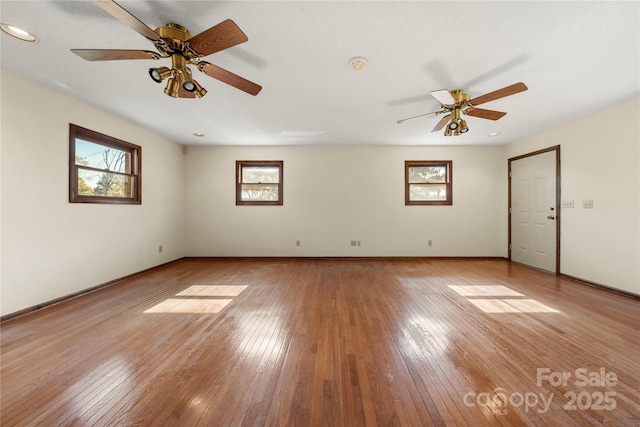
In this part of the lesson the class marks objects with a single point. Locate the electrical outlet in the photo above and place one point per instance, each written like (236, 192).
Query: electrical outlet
(159, 249)
(297, 242)
(567, 204)
(587, 204)
(357, 242)
(429, 243)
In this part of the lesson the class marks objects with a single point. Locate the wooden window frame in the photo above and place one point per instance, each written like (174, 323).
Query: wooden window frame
(78, 132)
(259, 163)
(448, 164)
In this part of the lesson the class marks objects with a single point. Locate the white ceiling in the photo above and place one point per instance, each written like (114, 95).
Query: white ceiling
(575, 57)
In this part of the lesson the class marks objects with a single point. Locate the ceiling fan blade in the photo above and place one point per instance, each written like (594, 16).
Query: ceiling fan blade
(229, 78)
(500, 93)
(443, 96)
(120, 13)
(219, 37)
(114, 54)
(485, 114)
(443, 121)
(435, 113)
(185, 93)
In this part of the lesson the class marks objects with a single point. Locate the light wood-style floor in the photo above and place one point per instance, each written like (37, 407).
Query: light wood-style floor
(335, 342)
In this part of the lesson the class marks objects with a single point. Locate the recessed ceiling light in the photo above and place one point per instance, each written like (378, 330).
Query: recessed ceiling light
(492, 134)
(18, 33)
(199, 134)
(358, 63)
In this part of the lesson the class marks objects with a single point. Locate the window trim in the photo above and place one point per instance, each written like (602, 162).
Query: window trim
(78, 132)
(253, 163)
(448, 164)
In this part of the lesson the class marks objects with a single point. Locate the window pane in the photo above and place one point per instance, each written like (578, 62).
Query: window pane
(87, 181)
(103, 169)
(423, 174)
(102, 157)
(419, 192)
(260, 174)
(263, 192)
(92, 183)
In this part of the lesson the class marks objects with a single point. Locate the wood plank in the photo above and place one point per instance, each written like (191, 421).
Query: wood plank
(336, 342)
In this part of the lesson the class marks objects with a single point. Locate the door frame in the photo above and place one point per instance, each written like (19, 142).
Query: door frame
(555, 148)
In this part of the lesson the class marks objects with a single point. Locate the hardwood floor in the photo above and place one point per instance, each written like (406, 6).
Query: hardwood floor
(335, 342)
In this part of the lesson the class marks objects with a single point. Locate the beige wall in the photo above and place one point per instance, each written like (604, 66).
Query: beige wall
(599, 161)
(335, 194)
(50, 247)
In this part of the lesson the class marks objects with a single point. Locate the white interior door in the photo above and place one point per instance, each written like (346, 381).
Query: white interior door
(534, 211)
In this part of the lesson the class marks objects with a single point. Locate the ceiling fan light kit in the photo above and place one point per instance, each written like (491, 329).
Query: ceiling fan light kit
(456, 124)
(456, 102)
(188, 83)
(200, 91)
(463, 126)
(172, 87)
(159, 74)
(175, 41)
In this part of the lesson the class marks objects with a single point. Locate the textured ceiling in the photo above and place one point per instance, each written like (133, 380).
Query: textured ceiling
(575, 57)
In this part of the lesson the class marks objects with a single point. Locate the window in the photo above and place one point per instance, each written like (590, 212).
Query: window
(259, 182)
(103, 169)
(428, 182)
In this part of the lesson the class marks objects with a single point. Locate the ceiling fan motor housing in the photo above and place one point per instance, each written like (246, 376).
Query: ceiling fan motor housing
(459, 96)
(173, 38)
(173, 31)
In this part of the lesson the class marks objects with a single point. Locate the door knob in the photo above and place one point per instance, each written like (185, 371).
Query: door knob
(551, 217)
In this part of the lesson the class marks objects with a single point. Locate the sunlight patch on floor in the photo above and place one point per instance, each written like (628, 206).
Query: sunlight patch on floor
(190, 305)
(488, 290)
(199, 299)
(212, 291)
(500, 299)
(499, 305)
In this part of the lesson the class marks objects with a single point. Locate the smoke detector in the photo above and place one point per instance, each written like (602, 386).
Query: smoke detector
(358, 63)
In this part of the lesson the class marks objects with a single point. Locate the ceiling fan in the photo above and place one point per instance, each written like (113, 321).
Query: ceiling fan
(456, 102)
(174, 41)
